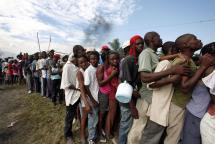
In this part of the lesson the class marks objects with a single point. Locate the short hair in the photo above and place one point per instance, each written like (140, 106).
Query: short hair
(209, 48)
(82, 56)
(95, 53)
(166, 46)
(149, 36)
(113, 52)
(76, 48)
(183, 39)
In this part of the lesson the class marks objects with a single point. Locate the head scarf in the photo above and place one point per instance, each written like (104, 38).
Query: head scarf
(132, 50)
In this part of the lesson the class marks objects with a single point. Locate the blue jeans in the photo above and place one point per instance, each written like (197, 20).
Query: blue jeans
(92, 123)
(191, 129)
(125, 123)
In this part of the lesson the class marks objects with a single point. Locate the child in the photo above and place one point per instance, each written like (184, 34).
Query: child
(112, 70)
(92, 88)
(104, 90)
(85, 107)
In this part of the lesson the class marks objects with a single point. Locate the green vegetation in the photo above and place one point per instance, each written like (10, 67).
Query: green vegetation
(37, 120)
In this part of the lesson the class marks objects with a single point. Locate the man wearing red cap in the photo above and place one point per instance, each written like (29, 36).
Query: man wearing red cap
(129, 73)
(104, 50)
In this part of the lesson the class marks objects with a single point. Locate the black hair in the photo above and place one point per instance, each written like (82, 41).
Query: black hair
(95, 53)
(167, 46)
(113, 52)
(65, 58)
(76, 48)
(149, 36)
(209, 48)
(82, 56)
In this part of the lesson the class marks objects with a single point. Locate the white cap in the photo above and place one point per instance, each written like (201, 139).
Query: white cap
(125, 44)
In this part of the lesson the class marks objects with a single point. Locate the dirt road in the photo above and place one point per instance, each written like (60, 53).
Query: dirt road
(10, 108)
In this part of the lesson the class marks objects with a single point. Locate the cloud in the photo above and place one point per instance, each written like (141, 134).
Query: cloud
(69, 22)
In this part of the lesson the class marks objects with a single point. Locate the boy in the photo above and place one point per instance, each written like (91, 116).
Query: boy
(92, 88)
(187, 44)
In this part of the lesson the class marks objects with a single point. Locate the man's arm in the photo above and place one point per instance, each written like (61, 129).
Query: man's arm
(174, 70)
(188, 83)
(173, 79)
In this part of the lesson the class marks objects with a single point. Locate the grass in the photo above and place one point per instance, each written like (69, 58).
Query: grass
(38, 120)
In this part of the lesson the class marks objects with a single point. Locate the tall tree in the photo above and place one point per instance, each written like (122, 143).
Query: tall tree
(115, 44)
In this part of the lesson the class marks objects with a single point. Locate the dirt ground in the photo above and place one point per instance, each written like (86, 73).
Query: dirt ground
(31, 119)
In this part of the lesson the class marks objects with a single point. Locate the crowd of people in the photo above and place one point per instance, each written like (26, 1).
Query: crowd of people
(173, 98)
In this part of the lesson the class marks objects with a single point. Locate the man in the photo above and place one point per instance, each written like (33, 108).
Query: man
(147, 62)
(129, 73)
(72, 94)
(187, 44)
(49, 64)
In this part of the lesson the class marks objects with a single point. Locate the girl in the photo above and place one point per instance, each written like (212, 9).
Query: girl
(85, 108)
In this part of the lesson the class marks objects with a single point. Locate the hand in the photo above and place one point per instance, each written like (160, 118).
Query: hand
(134, 113)
(87, 108)
(175, 79)
(114, 72)
(181, 70)
(95, 103)
(206, 60)
(135, 94)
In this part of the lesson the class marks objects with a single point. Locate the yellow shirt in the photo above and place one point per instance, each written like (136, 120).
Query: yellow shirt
(179, 98)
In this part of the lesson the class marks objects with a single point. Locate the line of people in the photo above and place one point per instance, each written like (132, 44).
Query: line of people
(173, 92)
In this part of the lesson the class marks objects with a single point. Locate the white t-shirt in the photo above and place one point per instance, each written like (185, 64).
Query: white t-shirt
(41, 64)
(91, 80)
(68, 79)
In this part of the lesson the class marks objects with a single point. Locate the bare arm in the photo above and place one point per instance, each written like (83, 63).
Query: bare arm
(100, 76)
(90, 95)
(173, 79)
(82, 89)
(168, 57)
(188, 83)
(174, 70)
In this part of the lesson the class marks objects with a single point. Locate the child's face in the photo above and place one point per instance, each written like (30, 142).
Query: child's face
(94, 60)
(114, 60)
(82, 62)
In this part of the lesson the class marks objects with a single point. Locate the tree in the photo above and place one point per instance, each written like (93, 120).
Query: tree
(115, 44)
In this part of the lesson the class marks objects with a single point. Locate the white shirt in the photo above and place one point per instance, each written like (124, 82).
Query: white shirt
(68, 79)
(91, 81)
(41, 64)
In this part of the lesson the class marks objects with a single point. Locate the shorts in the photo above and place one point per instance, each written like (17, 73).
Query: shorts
(103, 102)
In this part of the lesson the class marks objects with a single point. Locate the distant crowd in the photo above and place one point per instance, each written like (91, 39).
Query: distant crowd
(172, 97)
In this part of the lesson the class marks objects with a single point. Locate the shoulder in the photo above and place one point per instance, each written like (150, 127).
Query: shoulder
(178, 61)
(209, 70)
